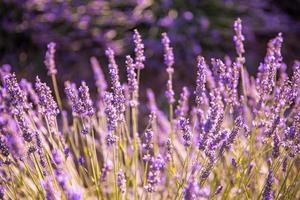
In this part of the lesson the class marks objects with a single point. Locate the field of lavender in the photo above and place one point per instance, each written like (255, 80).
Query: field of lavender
(233, 137)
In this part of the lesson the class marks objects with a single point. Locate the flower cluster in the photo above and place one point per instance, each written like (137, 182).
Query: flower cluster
(237, 138)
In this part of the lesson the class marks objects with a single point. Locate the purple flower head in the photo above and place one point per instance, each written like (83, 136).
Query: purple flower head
(169, 93)
(73, 97)
(185, 128)
(86, 100)
(17, 97)
(3, 147)
(108, 166)
(219, 189)
(49, 59)
(74, 193)
(147, 144)
(121, 180)
(192, 190)
(168, 53)
(111, 139)
(132, 80)
(118, 91)
(138, 50)
(238, 37)
(200, 91)
(274, 49)
(111, 112)
(183, 103)
(153, 178)
(268, 193)
(47, 103)
(100, 81)
(276, 145)
(51, 193)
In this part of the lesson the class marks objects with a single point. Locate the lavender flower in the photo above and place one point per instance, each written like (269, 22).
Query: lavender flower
(111, 112)
(118, 93)
(132, 80)
(121, 180)
(100, 81)
(219, 189)
(3, 147)
(201, 81)
(47, 103)
(168, 53)
(268, 193)
(170, 92)
(49, 59)
(157, 164)
(138, 50)
(185, 128)
(183, 103)
(17, 97)
(238, 37)
(147, 144)
(85, 98)
(107, 167)
(276, 145)
(51, 193)
(192, 191)
(73, 97)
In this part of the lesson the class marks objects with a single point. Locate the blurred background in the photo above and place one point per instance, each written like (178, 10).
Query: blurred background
(85, 28)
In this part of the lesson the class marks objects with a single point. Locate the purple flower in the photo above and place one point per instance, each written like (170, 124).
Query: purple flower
(170, 92)
(138, 50)
(147, 144)
(49, 59)
(51, 193)
(118, 93)
(201, 81)
(183, 103)
(100, 81)
(238, 37)
(185, 128)
(132, 80)
(47, 103)
(73, 97)
(192, 191)
(17, 97)
(121, 180)
(276, 145)
(106, 168)
(3, 147)
(85, 99)
(219, 189)
(111, 112)
(153, 178)
(168, 53)
(268, 193)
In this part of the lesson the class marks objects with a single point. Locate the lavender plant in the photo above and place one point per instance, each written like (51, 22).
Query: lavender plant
(238, 138)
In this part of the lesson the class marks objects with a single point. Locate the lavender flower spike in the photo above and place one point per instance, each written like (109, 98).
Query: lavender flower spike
(201, 81)
(138, 50)
(101, 83)
(132, 80)
(121, 180)
(183, 103)
(118, 93)
(85, 98)
(49, 59)
(268, 193)
(168, 53)
(48, 104)
(185, 128)
(238, 37)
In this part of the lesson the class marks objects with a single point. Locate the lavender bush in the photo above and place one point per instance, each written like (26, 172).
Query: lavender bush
(238, 139)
